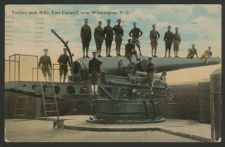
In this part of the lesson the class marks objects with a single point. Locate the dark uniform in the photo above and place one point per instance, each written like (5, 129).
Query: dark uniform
(135, 33)
(108, 30)
(129, 51)
(154, 36)
(168, 38)
(63, 60)
(85, 35)
(45, 64)
(99, 37)
(94, 70)
(118, 31)
(150, 75)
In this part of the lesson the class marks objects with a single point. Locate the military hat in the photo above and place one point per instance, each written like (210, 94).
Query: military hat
(119, 20)
(169, 26)
(153, 25)
(99, 21)
(176, 28)
(93, 52)
(134, 23)
(65, 49)
(209, 47)
(85, 19)
(108, 20)
(129, 40)
(45, 49)
(150, 59)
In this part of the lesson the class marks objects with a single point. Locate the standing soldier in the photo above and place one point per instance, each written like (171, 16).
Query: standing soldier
(135, 33)
(118, 31)
(207, 54)
(192, 52)
(85, 35)
(99, 37)
(176, 42)
(94, 70)
(154, 36)
(168, 38)
(63, 61)
(108, 30)
(150, 75)
(46, 65)
(129, 50)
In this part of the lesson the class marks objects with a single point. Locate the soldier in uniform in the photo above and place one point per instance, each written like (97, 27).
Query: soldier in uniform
(108, 30)
(176, 42)
(118, 31)
(135, 33)
(150, 75)
(63, 61)
(85, 35)
(129, 50)
(46, 65)
(154, 36)
(207, 54)
(168, 38)
(192, 52)
(99, 36)
(94, 70)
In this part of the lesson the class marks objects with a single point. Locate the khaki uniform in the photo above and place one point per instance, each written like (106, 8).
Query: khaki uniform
(176, 41)
(99, 37)
(85, 35)
(192, 52)
(207, 54)
(94, 70)
(108, 30)
(154, 36)
(118, 31)
(45, 64)
(63, 60)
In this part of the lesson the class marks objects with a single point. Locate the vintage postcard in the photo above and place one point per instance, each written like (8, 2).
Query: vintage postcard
(113, 72)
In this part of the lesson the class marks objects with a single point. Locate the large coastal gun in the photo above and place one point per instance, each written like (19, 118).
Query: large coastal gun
(123, 92)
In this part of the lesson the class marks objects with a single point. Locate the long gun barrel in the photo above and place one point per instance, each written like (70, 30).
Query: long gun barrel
(113, 65)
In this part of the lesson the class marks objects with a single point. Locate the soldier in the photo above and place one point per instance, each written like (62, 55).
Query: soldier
(150, 75)
(176, 42)
(63, 60)
(94, 70)
(207, 54)
(99, 37)
(135, 33)
(118, 31)
(85, 35)
(192, 52)
(108, 30)
(154, 36)
(46, 65)
(168, 38)
(129, 50)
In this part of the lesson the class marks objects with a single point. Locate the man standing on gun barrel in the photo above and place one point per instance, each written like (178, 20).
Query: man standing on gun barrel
(108, 30)
(176, 42)
(168, 38)
(46, 65)
(118, 31)
(99, 36)
(63, 61)
(85, 35)
(135, 33)
(154, 36)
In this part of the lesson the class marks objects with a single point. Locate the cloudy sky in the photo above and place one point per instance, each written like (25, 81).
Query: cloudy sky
(28, 29)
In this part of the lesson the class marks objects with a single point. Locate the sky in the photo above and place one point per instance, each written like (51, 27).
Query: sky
(28, 30)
